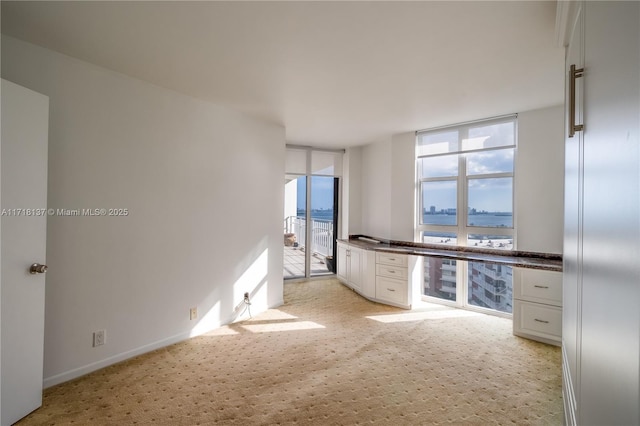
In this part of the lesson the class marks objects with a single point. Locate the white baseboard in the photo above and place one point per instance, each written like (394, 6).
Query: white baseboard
(567, 393)
(86, 369)
(89, 368)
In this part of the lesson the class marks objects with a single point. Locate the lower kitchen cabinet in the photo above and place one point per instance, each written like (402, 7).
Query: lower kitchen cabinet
(537, 305)
(381, 277)
(392, 283)
(349, 268)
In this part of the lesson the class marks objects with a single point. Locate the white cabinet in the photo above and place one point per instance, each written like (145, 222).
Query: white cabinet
(349, 268)
(341, 263)
(381, 277)
(601, 290)
(392, 279)
(538, 286)
(537, 305)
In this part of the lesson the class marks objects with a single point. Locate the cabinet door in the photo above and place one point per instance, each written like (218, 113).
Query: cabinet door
(609, 387)
(342, 263)
(572, 255)
(355, 269)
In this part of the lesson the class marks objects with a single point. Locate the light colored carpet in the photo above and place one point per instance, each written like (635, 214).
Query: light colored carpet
(327, 357)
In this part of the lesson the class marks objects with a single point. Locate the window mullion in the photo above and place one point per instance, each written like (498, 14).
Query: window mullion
(468, 151)
(461, 279)
(462, 194)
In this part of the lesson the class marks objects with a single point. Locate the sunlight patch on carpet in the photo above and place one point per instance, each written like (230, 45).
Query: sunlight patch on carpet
(222, 331)
(275, 314)
(419, 316)
(282, 326)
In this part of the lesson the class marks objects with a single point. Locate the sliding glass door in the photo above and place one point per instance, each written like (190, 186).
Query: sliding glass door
(310, 213)
(295, 226)
(322, 225)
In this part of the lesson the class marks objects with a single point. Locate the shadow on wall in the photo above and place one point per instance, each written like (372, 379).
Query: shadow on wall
(227, 304)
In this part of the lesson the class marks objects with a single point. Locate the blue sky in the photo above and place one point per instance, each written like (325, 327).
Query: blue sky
(321, 190)
(493, 194)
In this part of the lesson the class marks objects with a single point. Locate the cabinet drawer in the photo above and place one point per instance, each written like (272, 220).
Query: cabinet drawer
(391, 259)
(539, 320)
(391, 290)
(538, 286)
(391, 271)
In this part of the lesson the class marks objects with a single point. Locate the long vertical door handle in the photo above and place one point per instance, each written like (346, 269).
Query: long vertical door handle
(573, 74)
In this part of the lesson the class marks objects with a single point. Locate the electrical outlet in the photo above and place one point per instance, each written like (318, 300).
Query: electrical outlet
(99, 338)
(193, 313)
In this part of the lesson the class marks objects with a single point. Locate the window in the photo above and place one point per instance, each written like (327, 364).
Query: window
(465, 198)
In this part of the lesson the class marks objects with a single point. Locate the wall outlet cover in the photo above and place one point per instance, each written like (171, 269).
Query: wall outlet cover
(99, 338)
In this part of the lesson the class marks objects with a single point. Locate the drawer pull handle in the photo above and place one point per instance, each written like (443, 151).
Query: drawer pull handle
(391, 271)
(390, 289)
(542, 321)
(392, 259)
(541, 286)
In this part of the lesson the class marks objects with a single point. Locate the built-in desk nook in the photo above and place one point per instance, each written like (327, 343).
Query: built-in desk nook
(389, 272)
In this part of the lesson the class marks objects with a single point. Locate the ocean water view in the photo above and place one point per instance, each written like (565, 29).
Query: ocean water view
(319, 214)
(482, 219)
(494, 220)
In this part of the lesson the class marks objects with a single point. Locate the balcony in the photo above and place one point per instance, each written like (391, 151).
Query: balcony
(295, 246)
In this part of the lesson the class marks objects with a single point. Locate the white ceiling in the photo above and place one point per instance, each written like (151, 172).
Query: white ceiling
(335, 74)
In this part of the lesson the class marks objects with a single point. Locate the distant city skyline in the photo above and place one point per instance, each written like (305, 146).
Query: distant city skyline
(493, 194)
(453, 210)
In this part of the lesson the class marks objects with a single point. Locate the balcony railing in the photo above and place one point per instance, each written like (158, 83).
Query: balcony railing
(321, 234)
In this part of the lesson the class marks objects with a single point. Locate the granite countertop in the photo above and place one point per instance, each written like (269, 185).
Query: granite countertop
(521, 259)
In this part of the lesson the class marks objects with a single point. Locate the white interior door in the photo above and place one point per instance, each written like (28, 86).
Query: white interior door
(25, 116)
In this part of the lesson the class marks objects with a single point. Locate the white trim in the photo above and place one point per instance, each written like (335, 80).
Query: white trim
(568, 395)
(490, 120)
(440, 301)
(566, 14)
(311, 148)
(467, 151)
(308, 228)
(86, 369)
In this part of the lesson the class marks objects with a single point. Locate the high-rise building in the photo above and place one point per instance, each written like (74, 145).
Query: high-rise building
(489, 285)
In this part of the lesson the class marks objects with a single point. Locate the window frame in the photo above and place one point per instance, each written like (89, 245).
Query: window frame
(462, 229)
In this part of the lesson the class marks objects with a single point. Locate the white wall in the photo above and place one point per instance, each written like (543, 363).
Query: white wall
(539, 182)
(204, 190)
(388, 184)
(351, 201)
(403, 183)
(376, 189)
(387, 191)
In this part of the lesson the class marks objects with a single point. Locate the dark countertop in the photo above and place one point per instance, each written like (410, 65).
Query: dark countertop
(521, 259)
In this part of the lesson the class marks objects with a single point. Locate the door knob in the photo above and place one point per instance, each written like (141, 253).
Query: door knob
(37, 268)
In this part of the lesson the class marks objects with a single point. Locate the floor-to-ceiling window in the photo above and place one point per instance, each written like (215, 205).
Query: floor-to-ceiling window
(465, 198)
(311, 211)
